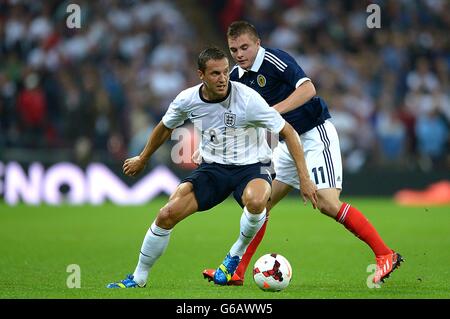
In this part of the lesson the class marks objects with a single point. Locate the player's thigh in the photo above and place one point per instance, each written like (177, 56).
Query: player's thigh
(181, 204)
(279, 191)
(323, 156)
(211, 185)
(284, 165)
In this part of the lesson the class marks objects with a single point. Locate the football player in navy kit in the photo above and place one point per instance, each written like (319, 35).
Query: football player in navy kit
(284, 85)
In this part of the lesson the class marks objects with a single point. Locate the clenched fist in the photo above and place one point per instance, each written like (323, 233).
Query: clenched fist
(133, 166)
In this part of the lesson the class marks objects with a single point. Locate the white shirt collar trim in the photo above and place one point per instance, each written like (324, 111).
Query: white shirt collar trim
(257, 64)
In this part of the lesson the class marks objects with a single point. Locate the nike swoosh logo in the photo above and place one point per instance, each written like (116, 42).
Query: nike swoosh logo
(242, 233)
(195, 116)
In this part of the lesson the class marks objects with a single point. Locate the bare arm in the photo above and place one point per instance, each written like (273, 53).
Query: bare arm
(300, 96)
(308, 188)
(133, 166)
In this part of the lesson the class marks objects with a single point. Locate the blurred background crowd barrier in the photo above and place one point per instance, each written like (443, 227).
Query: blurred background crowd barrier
(93, 94)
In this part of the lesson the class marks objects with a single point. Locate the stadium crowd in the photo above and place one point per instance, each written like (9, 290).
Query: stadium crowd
(97, 89)
(100, 89)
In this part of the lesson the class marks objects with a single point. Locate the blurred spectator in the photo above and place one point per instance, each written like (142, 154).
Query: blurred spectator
(432, 135)
(32, 112)
(421, 78)
(391, 133)
(345, 123)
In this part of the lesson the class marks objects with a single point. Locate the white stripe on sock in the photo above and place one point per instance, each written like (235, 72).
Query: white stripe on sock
(344, 213)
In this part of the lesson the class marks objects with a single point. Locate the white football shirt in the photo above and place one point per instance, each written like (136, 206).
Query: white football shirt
(232, 130)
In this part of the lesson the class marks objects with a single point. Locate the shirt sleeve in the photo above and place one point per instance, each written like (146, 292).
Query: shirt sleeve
(289, 70)
(176, 114)
(260, 114)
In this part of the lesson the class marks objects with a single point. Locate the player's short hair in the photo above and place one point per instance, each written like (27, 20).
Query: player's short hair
(211, 53)
(238, 28)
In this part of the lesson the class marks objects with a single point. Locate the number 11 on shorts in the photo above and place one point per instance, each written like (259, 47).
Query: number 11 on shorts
(316, 177)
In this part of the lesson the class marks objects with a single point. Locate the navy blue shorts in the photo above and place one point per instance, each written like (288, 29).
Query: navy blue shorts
(214, 182)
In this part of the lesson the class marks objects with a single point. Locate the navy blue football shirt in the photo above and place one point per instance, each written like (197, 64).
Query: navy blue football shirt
(275, 75)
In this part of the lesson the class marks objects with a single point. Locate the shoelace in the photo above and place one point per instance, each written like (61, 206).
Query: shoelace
(231, 263)
(128, 279)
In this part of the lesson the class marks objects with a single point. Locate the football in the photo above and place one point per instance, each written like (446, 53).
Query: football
(272, 272)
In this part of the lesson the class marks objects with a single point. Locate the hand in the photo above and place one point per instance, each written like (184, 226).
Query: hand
(309, 191)
(133, 166)
(196, 157)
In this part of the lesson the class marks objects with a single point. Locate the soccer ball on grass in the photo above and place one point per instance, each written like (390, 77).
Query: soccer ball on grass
(272, 272)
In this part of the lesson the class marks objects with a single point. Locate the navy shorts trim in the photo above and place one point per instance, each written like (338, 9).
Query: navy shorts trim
(214, 182)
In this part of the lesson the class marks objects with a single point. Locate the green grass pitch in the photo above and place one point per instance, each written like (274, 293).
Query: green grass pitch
(37, 244)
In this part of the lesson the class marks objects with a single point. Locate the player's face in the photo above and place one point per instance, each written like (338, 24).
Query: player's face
(244, 49)
(215, 79)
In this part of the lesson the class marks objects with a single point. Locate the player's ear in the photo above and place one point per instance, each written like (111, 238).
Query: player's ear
(200, 74)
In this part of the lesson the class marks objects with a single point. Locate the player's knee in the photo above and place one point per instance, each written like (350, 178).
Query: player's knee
(166, 217)
(256, 205)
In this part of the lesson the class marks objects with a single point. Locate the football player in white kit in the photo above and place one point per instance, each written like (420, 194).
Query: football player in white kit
(232, 119)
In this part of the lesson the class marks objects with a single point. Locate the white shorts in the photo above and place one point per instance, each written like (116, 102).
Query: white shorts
(322, 154)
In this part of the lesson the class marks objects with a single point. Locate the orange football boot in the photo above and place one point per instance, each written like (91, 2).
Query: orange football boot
(235, 279)
(386, 264)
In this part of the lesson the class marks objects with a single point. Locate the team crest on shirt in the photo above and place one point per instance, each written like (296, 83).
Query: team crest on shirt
(229, 119)
(261, 79)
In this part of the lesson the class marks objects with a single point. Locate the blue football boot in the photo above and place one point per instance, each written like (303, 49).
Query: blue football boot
(128, 282)
(226, 270)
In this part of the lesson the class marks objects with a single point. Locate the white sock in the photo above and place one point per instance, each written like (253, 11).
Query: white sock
(154, 245)
(250, 224)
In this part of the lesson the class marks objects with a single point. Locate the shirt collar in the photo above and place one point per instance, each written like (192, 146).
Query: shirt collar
(257, 64)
